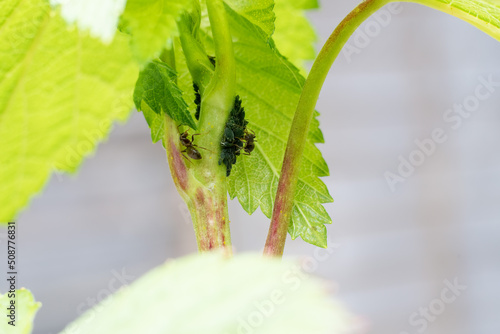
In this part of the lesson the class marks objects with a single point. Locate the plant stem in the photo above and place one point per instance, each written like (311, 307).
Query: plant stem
(202, 183)
(287, 185)
(206, 202)
(191, 191)
(217, 102)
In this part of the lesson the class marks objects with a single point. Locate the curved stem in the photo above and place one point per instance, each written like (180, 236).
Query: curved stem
(287, 185)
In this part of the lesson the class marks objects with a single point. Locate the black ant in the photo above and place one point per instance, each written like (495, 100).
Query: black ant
(249, 139)
(190, 147)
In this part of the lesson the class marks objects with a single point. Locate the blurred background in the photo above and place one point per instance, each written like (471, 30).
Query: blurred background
(394, 247)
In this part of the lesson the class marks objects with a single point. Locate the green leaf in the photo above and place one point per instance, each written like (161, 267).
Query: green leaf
(212, 294)
(258, 12)
(151, 23)
(157, 89)
(292, 32)
(60, 90)
(25, 310)
(483, 14)
(270, 87)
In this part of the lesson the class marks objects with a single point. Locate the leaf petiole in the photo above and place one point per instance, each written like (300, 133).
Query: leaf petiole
(283, 204)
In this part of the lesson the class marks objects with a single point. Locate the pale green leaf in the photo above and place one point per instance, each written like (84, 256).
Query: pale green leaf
(151, 23)
(156, 88)
(25, 310)
(60, 91)
(212, 294)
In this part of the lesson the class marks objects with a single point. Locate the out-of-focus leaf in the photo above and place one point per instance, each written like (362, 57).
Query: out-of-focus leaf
(211, 294)
(60, 91)
(20, 322)
(151, 23)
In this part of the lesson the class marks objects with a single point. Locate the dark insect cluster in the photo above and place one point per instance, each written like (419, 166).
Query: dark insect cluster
(197, 100)
(236, 137)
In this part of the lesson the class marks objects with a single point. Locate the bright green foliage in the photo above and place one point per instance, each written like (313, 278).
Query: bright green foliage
(157, 89)
(26, 308)
(60, 90)
(294, 36)
(484, 14)
(151, 23)
(211, 294)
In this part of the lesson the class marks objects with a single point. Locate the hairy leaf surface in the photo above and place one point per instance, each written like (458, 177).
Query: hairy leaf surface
(60, 91)
(225, 299)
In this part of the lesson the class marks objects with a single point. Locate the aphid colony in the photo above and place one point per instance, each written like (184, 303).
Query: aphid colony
(236, 136)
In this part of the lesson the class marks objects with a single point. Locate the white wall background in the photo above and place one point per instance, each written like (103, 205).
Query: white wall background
(396, 248)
